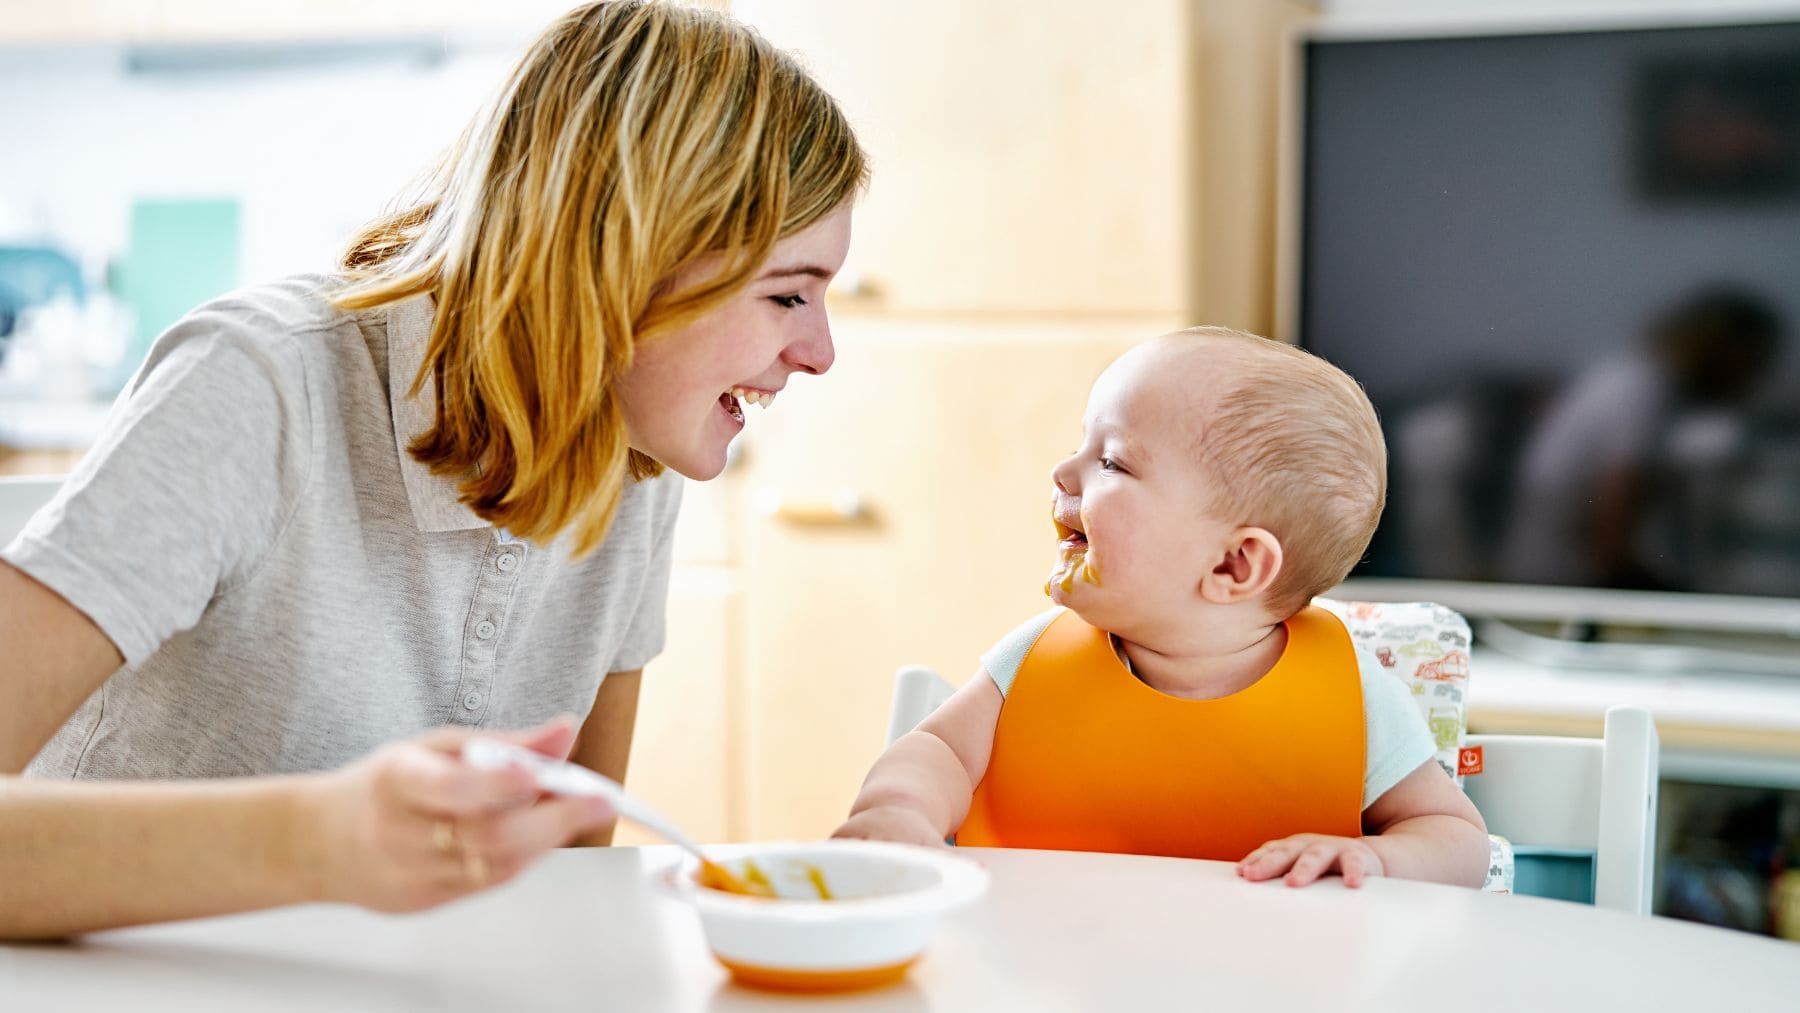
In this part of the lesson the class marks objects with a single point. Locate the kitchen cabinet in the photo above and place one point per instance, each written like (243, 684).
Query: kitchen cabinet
(1049, 156)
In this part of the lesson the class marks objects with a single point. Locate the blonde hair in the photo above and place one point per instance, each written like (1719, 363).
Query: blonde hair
(1294, 446)
(632, 138)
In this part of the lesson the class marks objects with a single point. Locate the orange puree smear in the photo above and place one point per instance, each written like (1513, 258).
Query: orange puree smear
(754, 882)
(1076, 564)
(714, 876)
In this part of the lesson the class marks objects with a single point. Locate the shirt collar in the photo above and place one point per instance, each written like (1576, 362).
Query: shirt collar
(436, 503)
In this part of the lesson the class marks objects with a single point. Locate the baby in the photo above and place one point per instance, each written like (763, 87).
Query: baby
(1185, 698)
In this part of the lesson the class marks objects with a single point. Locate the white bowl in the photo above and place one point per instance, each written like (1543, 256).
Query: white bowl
(886, 899)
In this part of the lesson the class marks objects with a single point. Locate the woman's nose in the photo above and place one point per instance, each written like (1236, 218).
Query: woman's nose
(814, 352)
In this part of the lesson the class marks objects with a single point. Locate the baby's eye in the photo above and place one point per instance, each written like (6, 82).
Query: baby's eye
(788, 302)
(1108, 464)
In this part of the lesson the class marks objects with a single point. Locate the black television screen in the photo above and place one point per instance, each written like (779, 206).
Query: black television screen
(1566, 266)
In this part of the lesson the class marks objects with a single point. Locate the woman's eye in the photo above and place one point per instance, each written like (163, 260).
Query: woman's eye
(787, 302)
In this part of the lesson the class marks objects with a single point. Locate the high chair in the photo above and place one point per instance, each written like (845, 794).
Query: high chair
(1565, 815)
(1580, 813)
(20, 497)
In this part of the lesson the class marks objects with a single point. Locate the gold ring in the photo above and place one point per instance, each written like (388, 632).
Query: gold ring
(443, 836)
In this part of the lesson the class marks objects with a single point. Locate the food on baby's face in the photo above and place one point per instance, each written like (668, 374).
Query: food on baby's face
(1078, 560)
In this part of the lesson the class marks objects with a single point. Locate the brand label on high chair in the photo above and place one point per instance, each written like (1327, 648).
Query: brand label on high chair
(1468, 760)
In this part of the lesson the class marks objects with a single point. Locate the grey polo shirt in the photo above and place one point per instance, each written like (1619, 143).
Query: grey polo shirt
(289, 588)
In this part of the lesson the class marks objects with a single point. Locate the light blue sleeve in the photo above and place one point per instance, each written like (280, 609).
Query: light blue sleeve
(1398, 738)
(1002, 660)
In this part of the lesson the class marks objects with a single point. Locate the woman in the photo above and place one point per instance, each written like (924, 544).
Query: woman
(426, 491)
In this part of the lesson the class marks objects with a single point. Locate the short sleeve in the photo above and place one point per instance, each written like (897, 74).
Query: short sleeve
(648, 633)
(202, 460)
(1398, 738)
(1002, 661)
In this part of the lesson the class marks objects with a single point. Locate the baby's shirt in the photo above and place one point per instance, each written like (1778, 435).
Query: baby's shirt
(1398, 740)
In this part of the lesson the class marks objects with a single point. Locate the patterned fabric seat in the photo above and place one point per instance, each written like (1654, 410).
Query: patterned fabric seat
(1427, 646)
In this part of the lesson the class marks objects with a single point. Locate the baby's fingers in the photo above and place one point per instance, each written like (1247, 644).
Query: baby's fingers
(1315, 861)
(1270, 860)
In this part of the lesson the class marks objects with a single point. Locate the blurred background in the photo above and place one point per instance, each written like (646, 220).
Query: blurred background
(1054, 181)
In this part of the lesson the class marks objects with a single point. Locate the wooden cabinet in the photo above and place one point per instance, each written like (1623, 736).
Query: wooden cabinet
(684, 749)
(1028, 156)
(1055, 156)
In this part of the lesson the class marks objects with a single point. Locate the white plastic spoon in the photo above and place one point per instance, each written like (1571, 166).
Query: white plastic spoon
(560, 777)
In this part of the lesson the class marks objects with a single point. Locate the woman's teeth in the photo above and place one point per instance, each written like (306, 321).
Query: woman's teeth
(754, 396)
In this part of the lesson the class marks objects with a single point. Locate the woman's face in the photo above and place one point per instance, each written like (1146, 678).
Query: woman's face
(685, 393)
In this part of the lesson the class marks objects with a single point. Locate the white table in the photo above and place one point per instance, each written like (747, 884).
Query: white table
(586, 930)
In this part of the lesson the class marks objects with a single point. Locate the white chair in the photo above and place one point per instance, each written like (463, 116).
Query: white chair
(20, 497)
(1560, 800)
(917, 692)
(1561, 803)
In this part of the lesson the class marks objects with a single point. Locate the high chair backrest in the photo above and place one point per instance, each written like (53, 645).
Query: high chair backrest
(20, 497)
(917, 692)
(1559, 800)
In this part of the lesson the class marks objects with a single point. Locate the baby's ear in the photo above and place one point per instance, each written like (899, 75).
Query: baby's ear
(1251, 562)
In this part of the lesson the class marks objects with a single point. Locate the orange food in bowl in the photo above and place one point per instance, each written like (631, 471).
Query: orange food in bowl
(884, 904)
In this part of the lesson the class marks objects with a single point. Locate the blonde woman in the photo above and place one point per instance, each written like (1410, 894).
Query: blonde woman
(425, 496)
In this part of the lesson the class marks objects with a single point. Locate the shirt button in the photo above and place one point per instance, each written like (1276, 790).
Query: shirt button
(472, 702)
(506, 562)
(484, 629)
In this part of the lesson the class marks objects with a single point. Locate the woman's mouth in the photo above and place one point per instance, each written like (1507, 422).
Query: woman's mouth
(732, 408)
(733, 401)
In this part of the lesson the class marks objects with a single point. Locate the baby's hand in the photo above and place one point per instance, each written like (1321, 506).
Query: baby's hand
(891, 823)
(1306, 857)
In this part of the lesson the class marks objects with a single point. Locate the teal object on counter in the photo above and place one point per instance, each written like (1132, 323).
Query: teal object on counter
(182, 253)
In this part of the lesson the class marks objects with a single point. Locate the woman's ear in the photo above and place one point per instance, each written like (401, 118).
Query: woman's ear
(1251, 562)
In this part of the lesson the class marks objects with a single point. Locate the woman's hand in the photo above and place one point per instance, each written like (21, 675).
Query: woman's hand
(891, 823)
(411, 826)
(1303, 858)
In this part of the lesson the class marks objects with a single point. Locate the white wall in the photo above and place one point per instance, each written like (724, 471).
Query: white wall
(309, 152)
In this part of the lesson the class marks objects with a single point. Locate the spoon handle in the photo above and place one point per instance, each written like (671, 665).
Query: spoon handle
(560, 777)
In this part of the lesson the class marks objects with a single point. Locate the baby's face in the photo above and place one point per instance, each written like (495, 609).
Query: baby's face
(1129, 504)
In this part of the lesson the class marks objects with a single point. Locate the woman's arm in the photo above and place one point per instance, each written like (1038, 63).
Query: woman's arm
(407, 827)
(604, 743)
(919, 790)
(56, 657)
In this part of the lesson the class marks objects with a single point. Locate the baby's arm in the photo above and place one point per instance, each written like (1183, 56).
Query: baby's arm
(918, 791)
(1422, 828)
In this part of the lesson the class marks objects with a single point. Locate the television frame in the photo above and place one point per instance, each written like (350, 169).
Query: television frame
(1672, 610)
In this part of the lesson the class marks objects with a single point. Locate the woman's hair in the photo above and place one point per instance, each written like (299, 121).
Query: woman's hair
(1294, 446)
(632, 138)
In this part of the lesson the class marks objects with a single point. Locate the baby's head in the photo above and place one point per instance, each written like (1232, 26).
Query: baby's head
(1215, 467)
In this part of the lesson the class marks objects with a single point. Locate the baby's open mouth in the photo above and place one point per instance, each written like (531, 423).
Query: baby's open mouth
(1067, 536)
